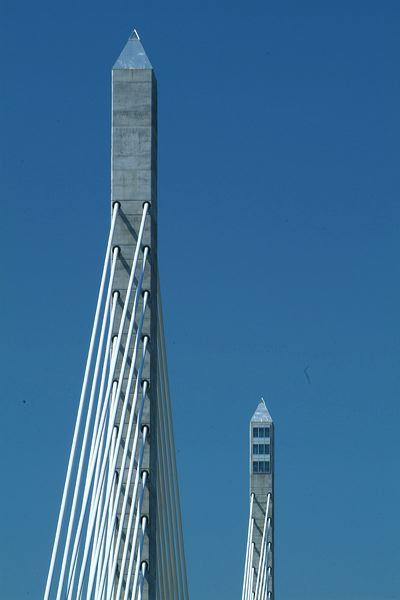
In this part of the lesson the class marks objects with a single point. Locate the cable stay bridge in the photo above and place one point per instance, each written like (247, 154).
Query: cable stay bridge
(119, 529)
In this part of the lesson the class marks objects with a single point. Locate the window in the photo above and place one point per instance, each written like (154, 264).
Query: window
(261, 448)
(263, 432)
(260, 432)
(261, 466)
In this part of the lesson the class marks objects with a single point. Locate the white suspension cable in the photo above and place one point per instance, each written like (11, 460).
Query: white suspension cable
(109, 536)
(134, 553)
(266, 590)
(269, 568)
(98, 459)
(102, 528)
(125, 312)
(249, 581)
(132, 556)
(116, 348)
(86, 432)
(114, 409)
(93, 567)
(250, 561)
(87, 427)
(251, 593)
(163, 583)
(133, 546)
(172, 454)
(165, 496)
(142, 578)
(106, 443)
(131, 515)
(266, 567)
(265, 564)
(102, 399)
(246, 562)
(94, 511)
(264, 581)
(110, 525)
(80, 408)
(98, 510)
(108, 353)
(262, 552)
(139, 556)
(124, 408)
(133, 454)
(110, 474)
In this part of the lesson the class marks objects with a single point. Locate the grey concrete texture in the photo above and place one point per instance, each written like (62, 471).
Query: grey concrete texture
(134, 182)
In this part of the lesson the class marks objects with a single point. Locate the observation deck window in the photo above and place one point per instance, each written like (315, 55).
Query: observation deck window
(260, 448)
(261, 466)
(260, 432)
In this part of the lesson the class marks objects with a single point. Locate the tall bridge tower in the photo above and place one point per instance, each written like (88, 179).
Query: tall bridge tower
(119, 530)
(258, 581)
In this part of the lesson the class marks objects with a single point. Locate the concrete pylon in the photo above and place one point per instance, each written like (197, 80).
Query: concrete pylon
(119, 530)
(261, 438)
(133, 183)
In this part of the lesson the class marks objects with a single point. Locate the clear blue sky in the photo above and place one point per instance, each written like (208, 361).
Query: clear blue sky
(279, 129)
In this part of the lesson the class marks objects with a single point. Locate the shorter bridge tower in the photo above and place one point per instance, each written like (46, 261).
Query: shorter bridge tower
(258, 582)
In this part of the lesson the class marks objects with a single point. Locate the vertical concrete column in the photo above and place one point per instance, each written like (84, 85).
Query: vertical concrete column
(134, 183)
(262, 484)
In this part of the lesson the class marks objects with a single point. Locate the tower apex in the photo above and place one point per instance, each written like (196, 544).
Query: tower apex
(134, 35)
(262, 413)
(133, 56)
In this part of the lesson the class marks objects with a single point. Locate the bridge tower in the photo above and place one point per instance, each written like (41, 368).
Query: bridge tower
(258, 582)
(119, 531)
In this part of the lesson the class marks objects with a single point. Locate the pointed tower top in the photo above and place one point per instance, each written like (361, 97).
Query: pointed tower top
(261, 413)
(134, 35)
(133, 55)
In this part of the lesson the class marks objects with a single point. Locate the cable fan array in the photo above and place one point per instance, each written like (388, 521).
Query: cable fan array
(100, 534)
(256, 580)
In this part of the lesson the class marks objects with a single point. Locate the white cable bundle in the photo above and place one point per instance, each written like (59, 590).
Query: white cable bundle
(87, 541)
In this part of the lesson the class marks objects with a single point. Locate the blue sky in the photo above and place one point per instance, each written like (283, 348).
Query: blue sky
(279, 216)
